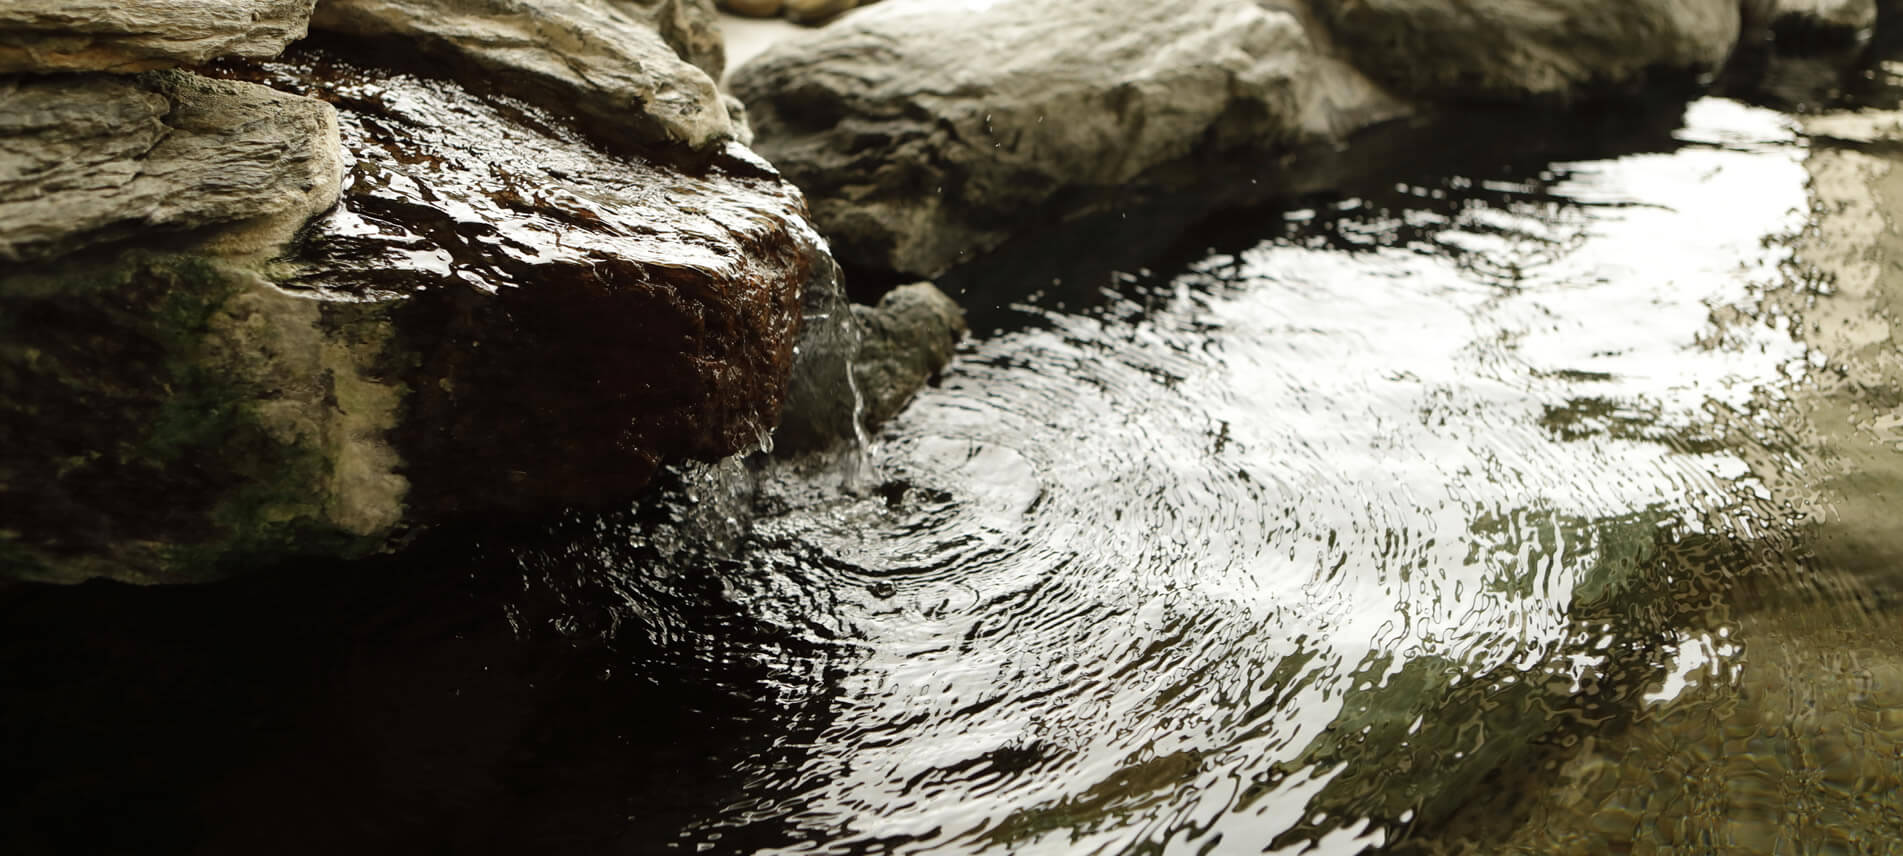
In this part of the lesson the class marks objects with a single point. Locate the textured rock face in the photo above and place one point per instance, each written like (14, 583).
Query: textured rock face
(90, 159)
(904, 342)
(140, 35)
(601, 61)
(690, 27)
(924, 132)
(498, 318)
(1530, 49)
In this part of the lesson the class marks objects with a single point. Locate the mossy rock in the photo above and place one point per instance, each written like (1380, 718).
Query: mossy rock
(175, 418)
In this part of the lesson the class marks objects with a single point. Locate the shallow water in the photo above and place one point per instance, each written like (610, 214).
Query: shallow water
(1389, 521)
(1155, 574)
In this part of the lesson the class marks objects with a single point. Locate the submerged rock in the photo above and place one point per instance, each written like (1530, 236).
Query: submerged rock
(499, 318)
(601, 61)
(1515, 50)
(92, 159)
(119, 36)
(924, 132)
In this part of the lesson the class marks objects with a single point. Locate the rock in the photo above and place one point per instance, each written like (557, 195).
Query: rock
(91, 159)
(601, 61)
(1516, 50)
(690, 27)
(924, 132)
(816, 11)
(499, 318)
(753, 8)
(1849, 18)
(904, 342)
(142, 35)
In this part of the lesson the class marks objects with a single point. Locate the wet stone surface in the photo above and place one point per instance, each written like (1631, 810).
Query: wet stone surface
(550, 296)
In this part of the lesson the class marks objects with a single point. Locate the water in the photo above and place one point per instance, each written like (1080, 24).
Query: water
(1166, 572)
(1531, 505)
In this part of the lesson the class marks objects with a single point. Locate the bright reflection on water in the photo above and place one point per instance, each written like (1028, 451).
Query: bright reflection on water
(1211, 562)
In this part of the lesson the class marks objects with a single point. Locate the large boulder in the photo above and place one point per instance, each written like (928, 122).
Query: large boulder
(499, 318)
(601, 62)
(88, 159)
(1518, 50)
(141, 35)
(925, 132)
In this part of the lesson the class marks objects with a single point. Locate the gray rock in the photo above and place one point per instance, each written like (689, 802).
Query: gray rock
(904, 342)
(1845, 16)
(601, 61)
(690, 27)
(141, 35)
(499, 318)
(1530, 49)
(923, 132)
(90, 159)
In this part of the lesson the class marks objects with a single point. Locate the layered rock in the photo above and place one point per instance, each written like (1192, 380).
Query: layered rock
(602, 62)
(141, 35)
(499, 318)
(1515, 50)
(92, 159)
(924, 133)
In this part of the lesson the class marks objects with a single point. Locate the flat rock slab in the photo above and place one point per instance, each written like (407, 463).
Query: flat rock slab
(602, 61)
(1518, 50)
(141, 35)
(926, 132)
(92, 159)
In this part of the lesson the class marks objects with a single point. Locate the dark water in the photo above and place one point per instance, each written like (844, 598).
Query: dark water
(1375, 522)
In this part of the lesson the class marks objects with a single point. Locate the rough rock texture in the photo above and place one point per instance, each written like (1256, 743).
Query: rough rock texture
(904, 342)
(140, 35)
(91, 159)
(923, 132)
(690, 27)
(499, 318)
(601, 61)
(1530, 49)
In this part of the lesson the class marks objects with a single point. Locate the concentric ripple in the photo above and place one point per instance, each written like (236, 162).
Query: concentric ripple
(1294, 545)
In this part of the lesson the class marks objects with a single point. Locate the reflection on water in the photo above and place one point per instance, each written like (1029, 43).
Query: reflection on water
(1478, 512)
(1306, 542)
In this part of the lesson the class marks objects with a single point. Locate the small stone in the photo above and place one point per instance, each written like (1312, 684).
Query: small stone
(753, 8)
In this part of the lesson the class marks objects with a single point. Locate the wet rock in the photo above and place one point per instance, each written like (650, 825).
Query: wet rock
(925, 132)
(860, 365)
(603, 61)
(904, 342)
(117, 36)
(1516, 50)
(500, 318)
(91, 159)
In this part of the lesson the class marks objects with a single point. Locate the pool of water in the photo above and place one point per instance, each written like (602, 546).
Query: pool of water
(1527, 504)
